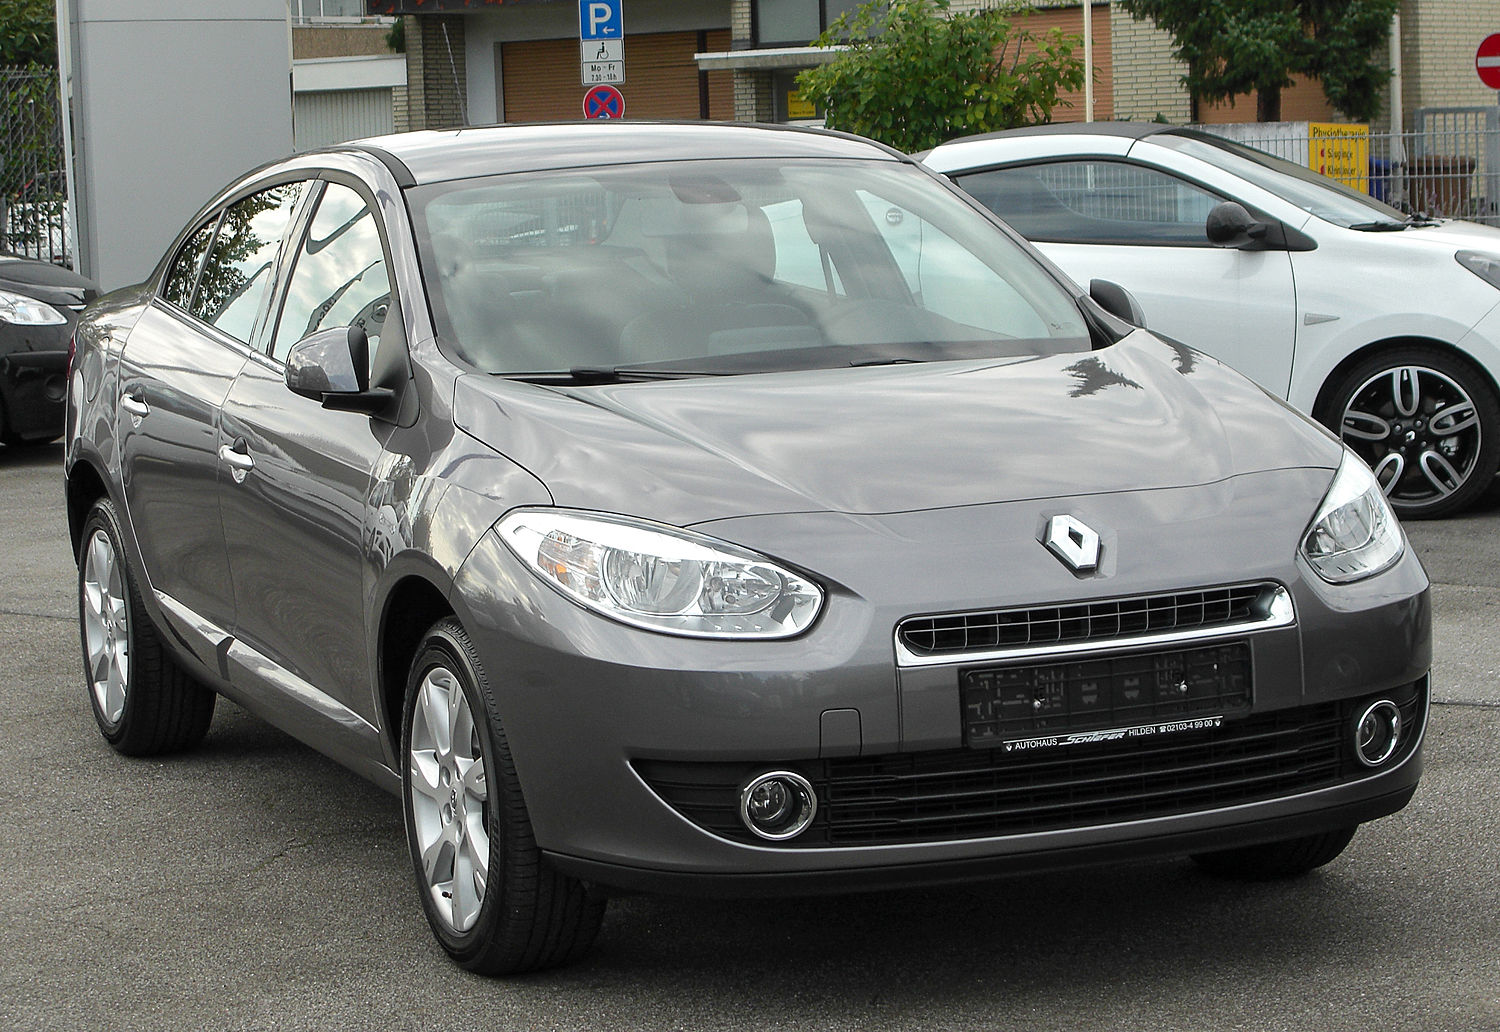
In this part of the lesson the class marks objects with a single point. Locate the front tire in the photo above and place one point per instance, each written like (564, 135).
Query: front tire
(1426, 421)
(1272, 861)
(143, 702)
(489, 896)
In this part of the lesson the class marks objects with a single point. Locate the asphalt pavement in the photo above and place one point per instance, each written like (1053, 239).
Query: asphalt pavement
(253, 884)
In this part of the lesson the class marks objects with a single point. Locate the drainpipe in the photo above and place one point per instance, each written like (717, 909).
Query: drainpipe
(1088, 60)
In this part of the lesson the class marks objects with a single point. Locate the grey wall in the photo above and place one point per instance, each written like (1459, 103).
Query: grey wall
(171, 99)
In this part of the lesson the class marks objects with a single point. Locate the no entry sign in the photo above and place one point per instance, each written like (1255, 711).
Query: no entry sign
(603, 102)
(1487, 61)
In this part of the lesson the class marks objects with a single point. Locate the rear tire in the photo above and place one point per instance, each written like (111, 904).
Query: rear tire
(1272, 861)
(142, 700)
(490, 897)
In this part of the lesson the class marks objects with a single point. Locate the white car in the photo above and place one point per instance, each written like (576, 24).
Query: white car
(1385, 327)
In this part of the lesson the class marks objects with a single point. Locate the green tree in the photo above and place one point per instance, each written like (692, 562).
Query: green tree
(914, 75)
(1232, 47)
(28, 33)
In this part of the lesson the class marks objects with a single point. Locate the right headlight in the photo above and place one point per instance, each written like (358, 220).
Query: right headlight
(661, 578)
(1354, 534)
(21, 310)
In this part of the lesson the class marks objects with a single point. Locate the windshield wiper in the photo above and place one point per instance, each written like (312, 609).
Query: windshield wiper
(1383, 226)
(588, 376)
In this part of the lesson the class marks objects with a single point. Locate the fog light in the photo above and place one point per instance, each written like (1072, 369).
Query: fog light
(1377, 733)
(778, 805)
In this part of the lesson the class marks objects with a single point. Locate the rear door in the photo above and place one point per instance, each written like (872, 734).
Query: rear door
(1143, 228)
(176, 368)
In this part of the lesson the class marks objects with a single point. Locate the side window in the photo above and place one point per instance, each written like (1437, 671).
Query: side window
(243, 259)
(184, 271)
(799, 261)
(339, 278)
(1095, 202)
(947, 279)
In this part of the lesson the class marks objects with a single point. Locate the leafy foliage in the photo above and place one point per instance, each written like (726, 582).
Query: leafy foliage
(28, 33)
(1232, 47)
(914, 76)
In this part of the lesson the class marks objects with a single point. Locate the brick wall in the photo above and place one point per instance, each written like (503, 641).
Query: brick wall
(1438, 40)
(1145, 74)
(436, 75)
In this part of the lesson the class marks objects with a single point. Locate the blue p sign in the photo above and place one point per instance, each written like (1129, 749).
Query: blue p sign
(601, 19)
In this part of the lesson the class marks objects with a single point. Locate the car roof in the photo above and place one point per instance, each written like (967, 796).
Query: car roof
(432, 156)
(1127, 130)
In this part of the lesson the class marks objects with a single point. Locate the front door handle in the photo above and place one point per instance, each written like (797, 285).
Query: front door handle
(136, 405)
(237, 457)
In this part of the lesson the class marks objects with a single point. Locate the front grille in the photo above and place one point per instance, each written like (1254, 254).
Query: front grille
(1085, 622)
(959, 794)
(1007, 702)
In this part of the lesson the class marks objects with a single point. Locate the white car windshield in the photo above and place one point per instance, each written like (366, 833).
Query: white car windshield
(717, 266)
(1317, 195)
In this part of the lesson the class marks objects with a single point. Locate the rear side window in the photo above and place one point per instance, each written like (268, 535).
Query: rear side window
(1095, 202)
(339, 278)
(240, 266)
(184, 272)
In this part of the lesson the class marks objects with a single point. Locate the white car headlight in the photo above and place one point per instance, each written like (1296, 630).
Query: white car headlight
(21, 310)
(1355, 534)
(661, 578)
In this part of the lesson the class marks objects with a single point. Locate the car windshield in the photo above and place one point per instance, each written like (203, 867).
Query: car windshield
(713, 266)
(1326, 198)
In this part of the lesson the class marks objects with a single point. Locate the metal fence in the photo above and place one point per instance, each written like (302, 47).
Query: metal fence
(33, 184)
(1448, 166)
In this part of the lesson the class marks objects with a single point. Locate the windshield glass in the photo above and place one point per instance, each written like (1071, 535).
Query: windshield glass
(1318, 195)
(728, 266)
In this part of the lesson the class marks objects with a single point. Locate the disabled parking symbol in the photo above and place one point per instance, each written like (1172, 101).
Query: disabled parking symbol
(603, 101)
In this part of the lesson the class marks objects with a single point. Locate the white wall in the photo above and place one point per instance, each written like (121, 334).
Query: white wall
(171, 99)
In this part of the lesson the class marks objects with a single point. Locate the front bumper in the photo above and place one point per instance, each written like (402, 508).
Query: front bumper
(604, 720)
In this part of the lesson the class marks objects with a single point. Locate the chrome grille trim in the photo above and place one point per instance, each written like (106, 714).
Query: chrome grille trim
(1272, 607)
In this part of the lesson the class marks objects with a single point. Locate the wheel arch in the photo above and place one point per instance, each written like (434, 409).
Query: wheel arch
(1335, 376)
(412, 605)
(84, 486)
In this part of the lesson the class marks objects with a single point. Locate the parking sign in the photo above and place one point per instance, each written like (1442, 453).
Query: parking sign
(601, 19)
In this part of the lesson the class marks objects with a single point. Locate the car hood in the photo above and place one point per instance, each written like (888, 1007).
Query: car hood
(1140, 415)
(46, 282)
(1449, 235)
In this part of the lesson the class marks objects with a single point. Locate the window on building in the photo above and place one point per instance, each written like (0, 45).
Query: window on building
(327, 10)
(795, 23)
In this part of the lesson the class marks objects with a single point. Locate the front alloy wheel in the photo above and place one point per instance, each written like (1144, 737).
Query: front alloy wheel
(1426, 422)
(445, 765)
(490, 896)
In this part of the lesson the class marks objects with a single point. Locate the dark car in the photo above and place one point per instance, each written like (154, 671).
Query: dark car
(722, 509)
(39, 303)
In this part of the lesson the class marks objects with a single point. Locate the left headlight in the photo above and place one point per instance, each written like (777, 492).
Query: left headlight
(28, 311)
(661, 578)
(1354, 534)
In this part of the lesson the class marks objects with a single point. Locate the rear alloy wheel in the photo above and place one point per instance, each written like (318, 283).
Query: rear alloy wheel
(491, 899)
(1428, 424)
(1271, 861)
(143, 702)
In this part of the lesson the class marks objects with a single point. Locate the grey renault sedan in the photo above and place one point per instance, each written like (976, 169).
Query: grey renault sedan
(722, 509)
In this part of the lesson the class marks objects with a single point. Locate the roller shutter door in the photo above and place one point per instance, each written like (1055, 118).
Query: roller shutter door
(540, 78)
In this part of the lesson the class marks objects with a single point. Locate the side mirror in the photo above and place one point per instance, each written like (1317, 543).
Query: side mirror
(333, 366)
(1117, 301)
(1230, 225)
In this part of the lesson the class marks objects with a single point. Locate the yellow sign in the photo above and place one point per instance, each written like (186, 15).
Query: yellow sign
(799, 107)
(1340, 152)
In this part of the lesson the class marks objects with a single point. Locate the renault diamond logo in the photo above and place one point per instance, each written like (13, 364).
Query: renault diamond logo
(1074, 542)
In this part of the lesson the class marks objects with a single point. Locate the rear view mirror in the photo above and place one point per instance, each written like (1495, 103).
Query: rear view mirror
(333, 366)
(1117, 301)
(1230, 225)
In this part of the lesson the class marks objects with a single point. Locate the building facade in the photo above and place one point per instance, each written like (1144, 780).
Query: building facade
(474, 62)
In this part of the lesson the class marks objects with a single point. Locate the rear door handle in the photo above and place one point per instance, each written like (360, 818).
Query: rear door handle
(237, 457)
